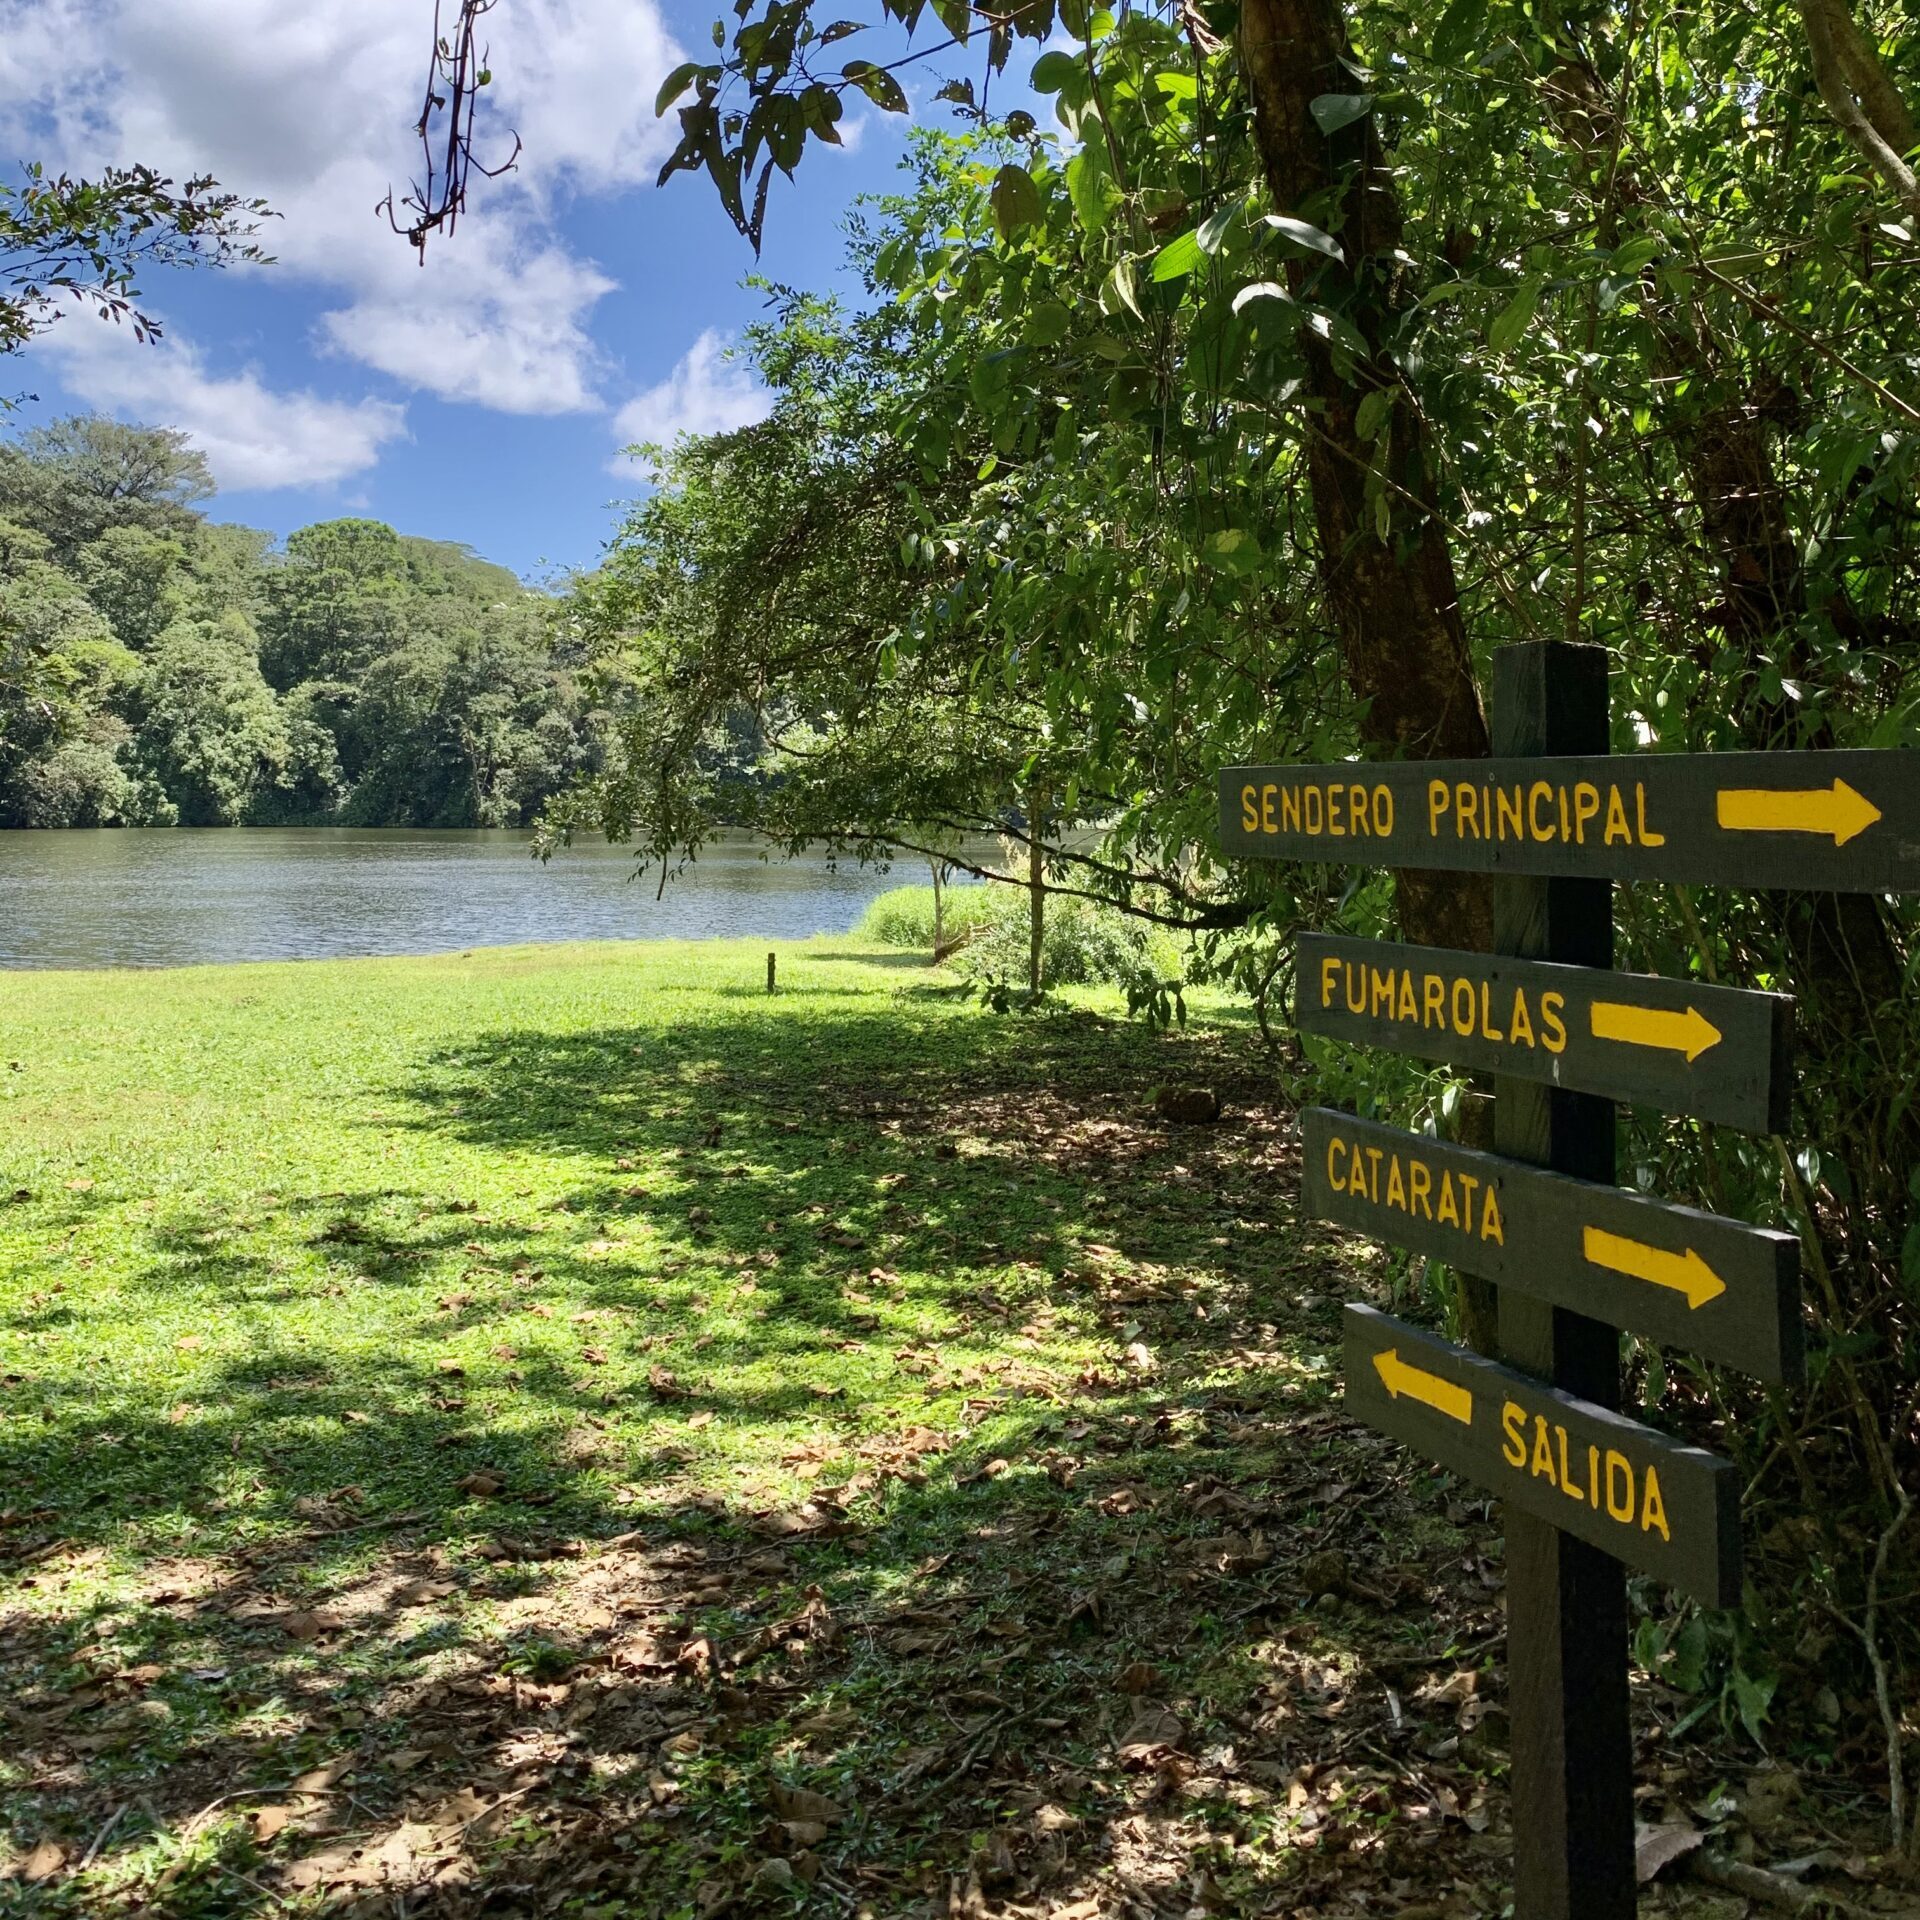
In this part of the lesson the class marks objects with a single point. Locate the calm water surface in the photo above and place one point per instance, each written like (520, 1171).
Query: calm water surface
(177, 896)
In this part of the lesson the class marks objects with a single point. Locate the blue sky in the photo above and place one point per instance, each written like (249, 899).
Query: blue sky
(485, 396)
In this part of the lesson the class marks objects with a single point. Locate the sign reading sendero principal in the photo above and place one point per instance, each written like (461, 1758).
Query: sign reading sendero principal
(1662, 1506)
(1697, 1281)
(1716, 1053)
(1839, 821)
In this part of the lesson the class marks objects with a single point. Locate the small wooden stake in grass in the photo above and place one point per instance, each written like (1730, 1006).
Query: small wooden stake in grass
(772, 966)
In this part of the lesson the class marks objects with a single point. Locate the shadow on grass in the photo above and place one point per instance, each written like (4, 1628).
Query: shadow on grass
(1047, 1585)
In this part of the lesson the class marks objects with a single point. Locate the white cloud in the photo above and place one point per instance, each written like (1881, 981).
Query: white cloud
(705, 393)
(252, 436)
(312, 108)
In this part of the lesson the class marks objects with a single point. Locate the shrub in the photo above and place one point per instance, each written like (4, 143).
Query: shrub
(903, 917)
(1086, 943)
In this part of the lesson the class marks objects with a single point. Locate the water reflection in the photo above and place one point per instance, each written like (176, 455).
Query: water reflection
(179, 896)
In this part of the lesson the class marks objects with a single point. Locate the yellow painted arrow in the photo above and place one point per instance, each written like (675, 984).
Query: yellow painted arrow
(1684, 1272)
(1837, 810)
(1691, 1032)
(1428, 1388)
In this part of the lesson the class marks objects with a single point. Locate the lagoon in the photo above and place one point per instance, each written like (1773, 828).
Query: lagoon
(183, 896)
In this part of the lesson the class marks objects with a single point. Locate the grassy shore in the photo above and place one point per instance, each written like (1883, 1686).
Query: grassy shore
(562, 1431)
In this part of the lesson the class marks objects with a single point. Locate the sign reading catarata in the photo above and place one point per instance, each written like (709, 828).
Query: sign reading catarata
(1715, 1053)
(1840, 821)
(1664, 1507)
(1697, 1281)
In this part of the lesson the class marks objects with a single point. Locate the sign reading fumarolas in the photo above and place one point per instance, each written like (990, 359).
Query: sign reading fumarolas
(1836, 821)
(1693, 1280)
(1716, 1053)
(1669, 1509)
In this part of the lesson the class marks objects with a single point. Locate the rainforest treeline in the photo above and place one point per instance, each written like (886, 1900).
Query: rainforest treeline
(158, 668)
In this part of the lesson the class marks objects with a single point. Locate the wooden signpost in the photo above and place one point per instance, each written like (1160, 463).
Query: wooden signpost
(1587, 1491)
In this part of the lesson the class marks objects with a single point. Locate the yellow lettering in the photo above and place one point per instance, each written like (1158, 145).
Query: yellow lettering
(1433, 991)
(1553, 1028)
(1648, 838)
(1586, 806)
(1249, 813)
(1438, 799)
(1357, 810)
(1519, 1021)
(1492, 1227)
(1374, 1155)
(1566, 831)
(1420, 1177)
(1509, 813)
(1593, 1478)
(1396, 1187)
(1449, 1210)
(1469, 1185)
(1653, 1509)
(1313, 809)
(1335, 1178)
(1536, 793)
(1486, 1012)
(1409, 1007)
(1617, 828)
(1290, 810)
(1336, 824)
(1542, 1452)
(1513, 1450)
(1383, 983)
(1566, 1472)
(1466, 809)
(1356, 1001)
(1382, 813)
(1619, 1486)
(1463, 1021)
(1329, 973)
(1267, 797)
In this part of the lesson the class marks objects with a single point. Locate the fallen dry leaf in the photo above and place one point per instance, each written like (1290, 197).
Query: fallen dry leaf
(267, 1821)
(802, 1803)
(483, 1485)
(1154, 1731)
(1658, 1847)
(46, 1859)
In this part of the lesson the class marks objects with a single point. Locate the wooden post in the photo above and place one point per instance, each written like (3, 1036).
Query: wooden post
(772, 966)
(1572, 1774)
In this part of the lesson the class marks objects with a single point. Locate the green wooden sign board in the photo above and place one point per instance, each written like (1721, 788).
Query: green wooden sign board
(1697, 1281)
(1667, 1508)
(1715, 1053)
(1844, 821)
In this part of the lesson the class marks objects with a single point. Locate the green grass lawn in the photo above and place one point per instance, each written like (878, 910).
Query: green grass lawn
(560, 1430)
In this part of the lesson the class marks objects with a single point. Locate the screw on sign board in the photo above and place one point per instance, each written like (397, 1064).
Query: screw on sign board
(1586, 1491)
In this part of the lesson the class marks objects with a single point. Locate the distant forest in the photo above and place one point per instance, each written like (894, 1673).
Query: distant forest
(160, 669)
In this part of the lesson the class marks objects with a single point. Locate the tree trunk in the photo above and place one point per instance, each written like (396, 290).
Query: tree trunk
(939, 901)
(1036, 890)
(1394, 600)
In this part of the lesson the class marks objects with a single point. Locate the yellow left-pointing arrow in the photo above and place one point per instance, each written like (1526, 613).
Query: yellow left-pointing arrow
(1683, 1272)
(1836, 810)
(1418, 1384)
(1691, 1032)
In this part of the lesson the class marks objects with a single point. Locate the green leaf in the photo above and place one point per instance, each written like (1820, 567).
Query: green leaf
(674, 85)
(840, 30)
(1177, 86)
(1053, 71)
(1262, 290)
(1512, 321)
(1047, 324)
(1090, 184)
(1213, 229)
(1457, 29)
(1177, 257)
(1371, 414)
(1631, 255)
(1235, 549)
(877, 84)
(1015, 201)
(1303, 234)
(1122, 289)
(1332, 111)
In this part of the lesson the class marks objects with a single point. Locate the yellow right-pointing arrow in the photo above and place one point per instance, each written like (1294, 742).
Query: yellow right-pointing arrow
(1691, 1032)
(1684, 1272)
(1417, 1384)
(1837, 810)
